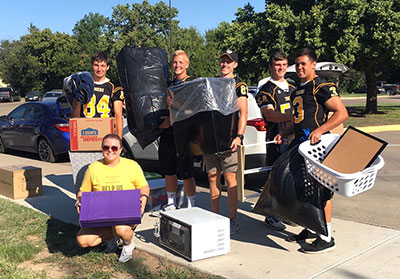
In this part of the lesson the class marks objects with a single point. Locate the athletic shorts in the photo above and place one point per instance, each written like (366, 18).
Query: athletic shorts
(221, 162)
(170, 164)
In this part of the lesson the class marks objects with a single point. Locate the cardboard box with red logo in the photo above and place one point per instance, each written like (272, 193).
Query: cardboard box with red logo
(86, 134)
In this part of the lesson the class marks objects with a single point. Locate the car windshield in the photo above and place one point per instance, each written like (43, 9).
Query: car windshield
(33, 93)
(5, 89)
(52, 94)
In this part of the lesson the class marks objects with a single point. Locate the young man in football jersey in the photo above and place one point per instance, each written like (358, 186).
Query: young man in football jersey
(274, 100)
(107, 100)
(215, 163)
(311, 102)
(171, 166)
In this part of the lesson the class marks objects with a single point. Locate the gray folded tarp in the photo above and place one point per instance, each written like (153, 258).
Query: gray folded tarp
(204, 113)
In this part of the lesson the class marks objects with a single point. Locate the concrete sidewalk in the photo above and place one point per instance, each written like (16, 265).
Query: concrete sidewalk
(362, 251)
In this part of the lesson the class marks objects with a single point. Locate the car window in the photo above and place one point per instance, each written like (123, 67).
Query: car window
(52, 94)
(18, 113)
(34, 112)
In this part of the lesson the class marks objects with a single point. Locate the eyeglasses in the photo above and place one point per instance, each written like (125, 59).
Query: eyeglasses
(113, 148)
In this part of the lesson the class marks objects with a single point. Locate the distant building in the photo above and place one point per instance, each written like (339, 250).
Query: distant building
(2, 84)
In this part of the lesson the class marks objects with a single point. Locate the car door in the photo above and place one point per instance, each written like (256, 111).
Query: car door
(11, 136)
(30, 127)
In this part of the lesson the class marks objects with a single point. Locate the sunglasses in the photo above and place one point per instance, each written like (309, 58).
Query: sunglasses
(113, 148)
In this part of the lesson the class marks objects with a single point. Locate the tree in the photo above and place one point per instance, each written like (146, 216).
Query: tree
(365, 34)
(41, 60)
(90, 33)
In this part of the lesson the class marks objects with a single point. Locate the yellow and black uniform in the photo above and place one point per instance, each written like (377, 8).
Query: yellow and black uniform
(309, 110)
(170, 164)
(241, 88)
(274, 97)
(127, 175)
(101, 103)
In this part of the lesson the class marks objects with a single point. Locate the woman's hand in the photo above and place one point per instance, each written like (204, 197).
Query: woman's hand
(143, 202)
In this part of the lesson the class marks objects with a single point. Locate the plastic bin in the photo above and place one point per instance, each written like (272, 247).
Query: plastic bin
(345, 184)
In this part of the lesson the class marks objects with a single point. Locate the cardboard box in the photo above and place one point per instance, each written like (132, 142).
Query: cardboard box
(195, 233)
(19, 182)
(110, 208)
(86, 134)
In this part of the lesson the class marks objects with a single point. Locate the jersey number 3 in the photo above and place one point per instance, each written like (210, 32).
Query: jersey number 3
(298, 109)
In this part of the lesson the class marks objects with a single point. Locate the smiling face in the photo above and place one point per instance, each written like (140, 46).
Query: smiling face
(227, 66)
(305, 68)
(100, 69)
(278, 69)
(111, 150)
(180, 63)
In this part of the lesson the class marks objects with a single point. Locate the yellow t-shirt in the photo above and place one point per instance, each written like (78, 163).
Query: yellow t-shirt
(127, 175)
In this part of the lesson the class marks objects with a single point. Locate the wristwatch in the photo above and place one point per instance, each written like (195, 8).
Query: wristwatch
(240, 136)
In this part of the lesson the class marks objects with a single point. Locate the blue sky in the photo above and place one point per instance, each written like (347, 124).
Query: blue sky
(61, 15)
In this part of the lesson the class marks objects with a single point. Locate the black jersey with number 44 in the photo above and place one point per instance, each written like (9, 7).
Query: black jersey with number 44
(308, 103)
(101, 103)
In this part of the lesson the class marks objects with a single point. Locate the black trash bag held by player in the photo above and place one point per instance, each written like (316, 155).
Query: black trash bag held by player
(79, 86)
(292, 194)
(143, 73)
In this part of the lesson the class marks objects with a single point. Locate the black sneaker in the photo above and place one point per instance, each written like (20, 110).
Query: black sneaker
(302, 236)
(274, 223)
(319, 246)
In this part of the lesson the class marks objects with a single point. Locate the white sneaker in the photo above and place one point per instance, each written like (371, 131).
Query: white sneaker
(169, 207)
(126, 253)
(112, 246)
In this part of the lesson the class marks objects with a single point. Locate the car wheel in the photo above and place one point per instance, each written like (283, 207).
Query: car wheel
(2, 147)
(389, 92)
(126, 151)
(45, 152)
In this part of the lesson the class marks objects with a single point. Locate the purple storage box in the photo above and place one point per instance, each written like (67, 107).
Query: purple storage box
(110, 208)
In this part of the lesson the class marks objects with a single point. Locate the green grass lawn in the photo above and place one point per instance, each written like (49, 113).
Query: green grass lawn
(388, 114)
(33, 245)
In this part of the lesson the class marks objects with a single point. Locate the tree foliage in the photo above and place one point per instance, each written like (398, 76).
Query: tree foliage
(40, 60)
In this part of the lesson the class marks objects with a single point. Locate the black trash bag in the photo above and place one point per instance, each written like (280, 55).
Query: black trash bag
(292, 194)
(143, 73)
(79, 86)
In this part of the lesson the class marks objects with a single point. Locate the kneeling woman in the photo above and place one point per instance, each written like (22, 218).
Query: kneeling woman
(108, 174)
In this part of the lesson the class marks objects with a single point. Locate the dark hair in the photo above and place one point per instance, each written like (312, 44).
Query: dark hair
(100, 56)
(112, 136)
(277, 56)
(309, 52)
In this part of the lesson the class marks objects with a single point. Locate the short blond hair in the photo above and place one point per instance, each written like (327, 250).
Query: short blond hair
(180, 52)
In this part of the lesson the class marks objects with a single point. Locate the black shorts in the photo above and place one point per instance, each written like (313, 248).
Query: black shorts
(170, 164)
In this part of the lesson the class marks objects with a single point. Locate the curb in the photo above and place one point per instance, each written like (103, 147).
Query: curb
(375, 129)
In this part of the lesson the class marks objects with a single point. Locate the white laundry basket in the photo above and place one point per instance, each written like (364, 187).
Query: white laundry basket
(345, 184)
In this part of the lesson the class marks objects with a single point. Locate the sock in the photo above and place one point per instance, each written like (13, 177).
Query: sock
(191, 201)
(171, 198)
(329, 236)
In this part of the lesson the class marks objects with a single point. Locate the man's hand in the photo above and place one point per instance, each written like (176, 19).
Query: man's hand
(78, 206)
(166, 123)
(278, 139)
(234, 145)
(315, 136)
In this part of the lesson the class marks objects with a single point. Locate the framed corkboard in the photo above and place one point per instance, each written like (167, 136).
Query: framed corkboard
(354, 151)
